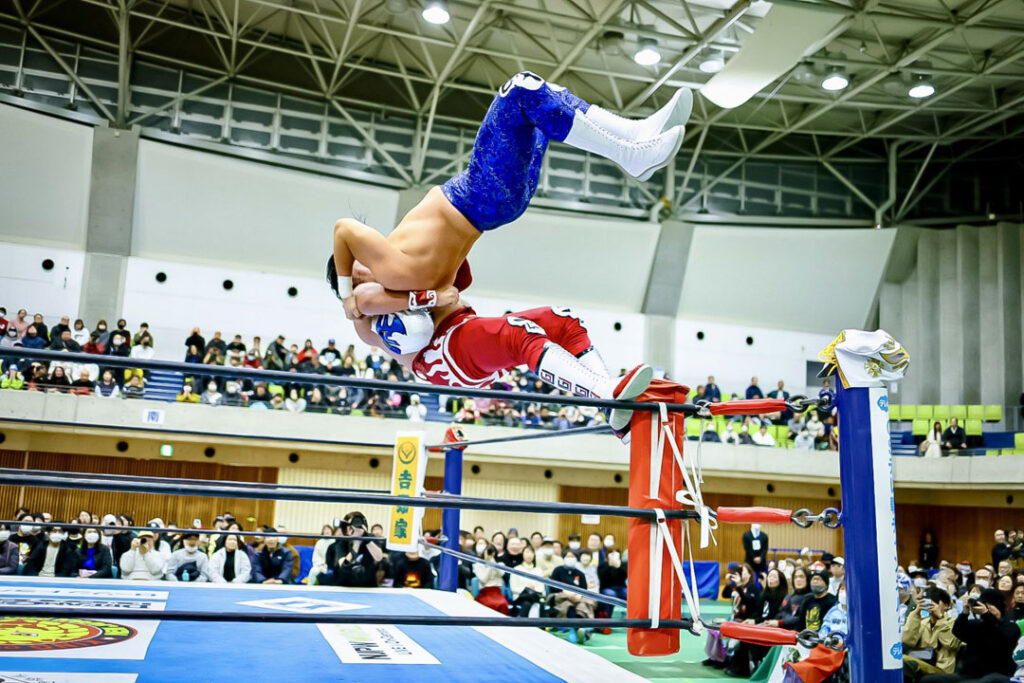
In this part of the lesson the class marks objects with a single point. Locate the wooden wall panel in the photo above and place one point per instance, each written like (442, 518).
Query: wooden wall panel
(65, 504)
(961, 533)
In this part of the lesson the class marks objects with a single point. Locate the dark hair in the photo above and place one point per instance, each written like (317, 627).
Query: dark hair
(937, 595)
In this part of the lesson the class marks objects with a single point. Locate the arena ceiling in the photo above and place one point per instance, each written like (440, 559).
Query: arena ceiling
(381, 55)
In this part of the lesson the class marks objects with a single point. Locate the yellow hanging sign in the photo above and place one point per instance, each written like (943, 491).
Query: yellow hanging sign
(407, 476)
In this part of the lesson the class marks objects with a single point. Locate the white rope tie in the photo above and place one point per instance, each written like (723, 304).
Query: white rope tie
(692, 495)
(689, 592)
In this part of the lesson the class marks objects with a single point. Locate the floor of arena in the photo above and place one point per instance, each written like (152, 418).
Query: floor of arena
(149, 651)
(683, 667)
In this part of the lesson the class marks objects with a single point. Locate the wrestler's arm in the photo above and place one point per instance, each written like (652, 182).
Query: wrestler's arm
(373, 299)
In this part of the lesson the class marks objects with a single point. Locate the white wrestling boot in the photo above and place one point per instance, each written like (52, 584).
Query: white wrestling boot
(618, 417)
(564, 371)
(675, 113)
(639, 159)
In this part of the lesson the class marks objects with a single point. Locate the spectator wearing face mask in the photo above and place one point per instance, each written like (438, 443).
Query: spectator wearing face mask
(572, 605)
(491, 582)
(589, 568)
(575, 545)
(547, 559)
(836, 621)
(983, 578)
(94, 558)
(27, 536)
(817, 605)
(989, 639)
(8, 553)
(187, 563)
(54, 558)
(273, 563)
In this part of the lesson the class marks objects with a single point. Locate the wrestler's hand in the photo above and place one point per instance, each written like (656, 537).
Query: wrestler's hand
(351, 309)
(449, 296)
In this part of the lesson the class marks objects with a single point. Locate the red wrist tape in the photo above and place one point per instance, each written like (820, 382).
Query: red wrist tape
(423, 298)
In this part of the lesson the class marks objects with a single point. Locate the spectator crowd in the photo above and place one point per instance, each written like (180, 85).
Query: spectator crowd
(959, 622)
(815, 429)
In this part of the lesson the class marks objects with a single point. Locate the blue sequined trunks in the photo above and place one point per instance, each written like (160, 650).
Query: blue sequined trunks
(501, 178)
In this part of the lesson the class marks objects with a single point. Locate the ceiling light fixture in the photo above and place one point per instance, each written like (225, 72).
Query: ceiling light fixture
(921, 87)
(435, 13)
(713, 62)
(647, 52)
(835, 80)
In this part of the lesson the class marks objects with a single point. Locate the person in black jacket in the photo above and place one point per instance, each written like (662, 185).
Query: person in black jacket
(352, 563)
(745, 658)
(56, 557)
(954, 438)
(990, 639)
(121, 539)
(816, 606)
(412, 571)
(94, 558)
(928, 553)
(788, 616)
(8, 553)
(273, 563)
(755, 548)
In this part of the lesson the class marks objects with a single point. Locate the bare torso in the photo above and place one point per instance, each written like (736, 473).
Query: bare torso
(437, 236)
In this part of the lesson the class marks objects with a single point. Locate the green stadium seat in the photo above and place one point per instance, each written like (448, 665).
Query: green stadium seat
(941, 413)
(908, 412)
(920, 427)
(1018, 441)
(923, 412)
(719, 423)
(973, 427)
(726, 397)
(993, 413)
(995, 452)
(959, 412)
(894, 412)
(693, 427)
(975, 412)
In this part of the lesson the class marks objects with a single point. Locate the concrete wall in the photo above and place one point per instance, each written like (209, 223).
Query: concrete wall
(331, 442)
(957, 308)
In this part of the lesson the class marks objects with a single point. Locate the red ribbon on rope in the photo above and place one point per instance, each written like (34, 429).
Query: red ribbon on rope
(755, 406)
(752, 515)
(758, 635)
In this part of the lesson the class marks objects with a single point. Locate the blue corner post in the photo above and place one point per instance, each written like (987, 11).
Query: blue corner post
(449, 571)
(869, 523)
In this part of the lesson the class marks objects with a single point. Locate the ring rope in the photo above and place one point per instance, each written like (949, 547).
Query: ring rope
(569, 588)
(69, 480)
(321, 618)
(190, 369)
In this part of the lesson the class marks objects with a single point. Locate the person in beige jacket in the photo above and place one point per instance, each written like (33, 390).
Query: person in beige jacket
(928, 641)
(547, 559)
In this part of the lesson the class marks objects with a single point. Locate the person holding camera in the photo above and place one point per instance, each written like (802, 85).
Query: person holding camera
(142, 561)
(989, 639)
(928, 641)
(352, 563)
